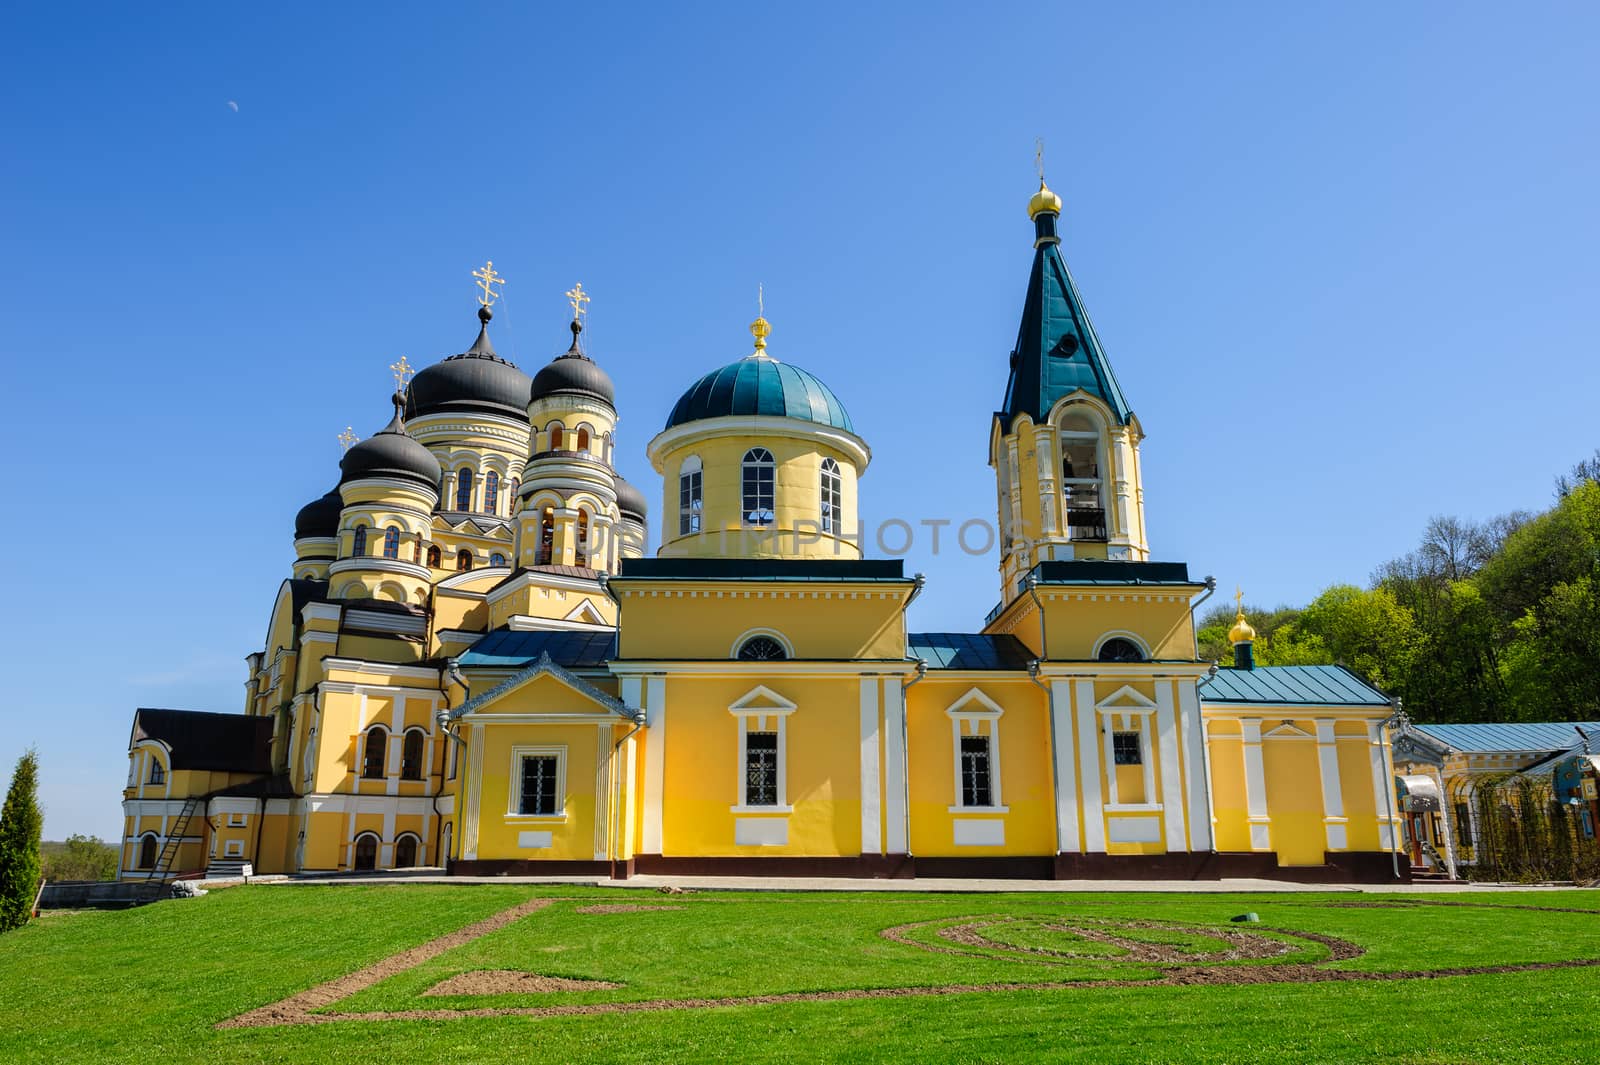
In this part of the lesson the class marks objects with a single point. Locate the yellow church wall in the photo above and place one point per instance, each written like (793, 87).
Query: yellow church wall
(1355, 783)
(460, 611)
(821, 758)
(557, 604)
(1230, 808)
(1077, 622)
(504, 833)
(796, 529)
(704, 620)
(1022, 732)
(274, 853)
(1294, 798)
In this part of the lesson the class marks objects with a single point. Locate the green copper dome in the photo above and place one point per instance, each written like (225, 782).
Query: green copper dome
(759, 384)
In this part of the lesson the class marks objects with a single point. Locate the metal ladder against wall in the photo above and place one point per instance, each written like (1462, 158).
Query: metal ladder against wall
(161, 874)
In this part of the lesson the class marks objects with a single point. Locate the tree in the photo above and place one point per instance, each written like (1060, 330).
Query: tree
(21, 824)
(1369, 631)
(80, 858)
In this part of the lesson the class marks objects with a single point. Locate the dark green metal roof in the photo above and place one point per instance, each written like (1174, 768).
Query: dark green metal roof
(763, 569)
(968, 650)
(1103, 571)
(1292, 685)
(1057, 350)
(759, 384)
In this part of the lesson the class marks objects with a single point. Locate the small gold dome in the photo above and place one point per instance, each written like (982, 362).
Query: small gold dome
(1043, 200)
(760, 329)
(1241, 631)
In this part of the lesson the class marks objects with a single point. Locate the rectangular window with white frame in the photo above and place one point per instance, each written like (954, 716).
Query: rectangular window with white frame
(236, 820)
(538, 782)
(975, 745)
(763, 752)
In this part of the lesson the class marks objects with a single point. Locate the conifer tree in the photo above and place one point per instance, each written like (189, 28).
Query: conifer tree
(20, 826)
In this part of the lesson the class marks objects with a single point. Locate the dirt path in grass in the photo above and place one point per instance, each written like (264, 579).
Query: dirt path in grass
(301, 1008)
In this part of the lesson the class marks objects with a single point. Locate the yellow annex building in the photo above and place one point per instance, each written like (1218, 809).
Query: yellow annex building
(472, 663)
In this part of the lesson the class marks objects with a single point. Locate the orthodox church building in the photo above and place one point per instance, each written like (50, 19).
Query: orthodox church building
(472, 663)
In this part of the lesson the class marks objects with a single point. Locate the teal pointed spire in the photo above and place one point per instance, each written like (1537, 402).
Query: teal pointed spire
(1057, 351)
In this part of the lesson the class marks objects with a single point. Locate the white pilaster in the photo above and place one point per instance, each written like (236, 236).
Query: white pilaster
(1088, 750)
(655, 759)
(1171, 773)
(473, 806)
(1333, 819)
(602, 792)
(1195, 766)
(897, 840)
(1382, 786)
(1066, 775)
(871, 790)
(1255, 787)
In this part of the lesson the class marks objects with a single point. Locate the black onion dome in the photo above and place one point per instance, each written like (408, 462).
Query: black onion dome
(391, 452)
(631, 501)
(320, 517)
(477, 381)
(574, 373)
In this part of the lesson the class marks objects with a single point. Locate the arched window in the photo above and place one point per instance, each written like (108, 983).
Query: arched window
(583, 438)
(690, 499)
(547, 536)
(555, 436)
(464, 489)
(434, 555)
(147, 851)
(366, 856)
(376, 752)
(491, 492)
(758, 483)
(497, 559)
(359, 546)
(391, 542)
(463, 560)
(411, 755)
(1118, 649)
(158, 772)
(830, 496)
(405, 852)
(581, 551)
(416, 549)
(511, 503)
(761, 649)
(1079, 434)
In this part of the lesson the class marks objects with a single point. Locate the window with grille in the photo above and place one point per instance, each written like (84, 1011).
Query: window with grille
(463, 560)
(1118, 649)
(539, 786)
(761, 769)
(376, 752)
(977, 787)
(759, 483)
(464, 490)
(491, 492)
(1126, 749)
(761, 649)
(359, 546)
(830, 496)
(497, 559)
(158, 774)
(391, 542)
(547, 536)
(690, 500)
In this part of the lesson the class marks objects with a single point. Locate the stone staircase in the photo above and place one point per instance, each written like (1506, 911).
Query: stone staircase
(228, 869)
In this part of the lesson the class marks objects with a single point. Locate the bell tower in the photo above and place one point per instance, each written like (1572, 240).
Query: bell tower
(1065, 443)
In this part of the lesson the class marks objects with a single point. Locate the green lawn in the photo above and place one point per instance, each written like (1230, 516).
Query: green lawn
(151, 984)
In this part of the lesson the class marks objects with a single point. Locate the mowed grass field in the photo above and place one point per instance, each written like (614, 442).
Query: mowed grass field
(833, 976)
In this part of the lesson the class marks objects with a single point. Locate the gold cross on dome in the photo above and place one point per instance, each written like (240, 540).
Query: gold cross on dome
(402, 371)
(1038, 157)
(348, 438)
(1238, 598)
(487, 279)
(577, 297)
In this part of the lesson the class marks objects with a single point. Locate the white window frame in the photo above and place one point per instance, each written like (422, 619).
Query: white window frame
(237, 820)
(975, 714)
(234, 848)
(1125, 710)
(746, 465)
(692, 519)
(514, 790)
(762, 710)
(831, 488)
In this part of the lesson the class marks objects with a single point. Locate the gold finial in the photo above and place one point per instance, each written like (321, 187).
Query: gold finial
(402, 371)
(1038, 158)
(578, 297)
(761, 328)
(1044, 199)
(487, 279)
(348, 438)
(1242, 632)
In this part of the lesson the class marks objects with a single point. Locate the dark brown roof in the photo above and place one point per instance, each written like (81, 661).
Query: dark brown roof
(198, 739)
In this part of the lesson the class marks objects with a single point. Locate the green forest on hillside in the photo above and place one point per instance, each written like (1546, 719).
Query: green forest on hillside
(1491, 621)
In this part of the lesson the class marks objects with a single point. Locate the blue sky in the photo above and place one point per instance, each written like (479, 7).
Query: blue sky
(1342, 258)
